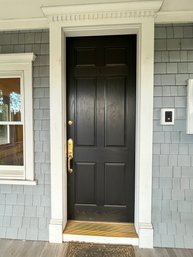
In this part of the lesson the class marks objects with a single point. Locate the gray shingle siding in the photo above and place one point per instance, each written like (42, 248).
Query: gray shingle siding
(172, 209)
(25, 210)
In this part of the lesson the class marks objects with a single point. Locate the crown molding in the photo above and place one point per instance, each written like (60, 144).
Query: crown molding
(174, 17)
(24, 24)
(102, 11)
(17, 58)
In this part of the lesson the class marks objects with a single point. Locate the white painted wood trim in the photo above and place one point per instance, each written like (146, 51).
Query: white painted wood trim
(56, 231)
(114, 6)
(11, 123)
(174, 17)
(24, 24)
(95, 25)
(101, 239)
(122, 29)
(144, 132)
(108, 10)
(17, 58)
(67, 12)
(20, 65)
(18, 182)
(28, 122)
(145, 235)
(58, 134)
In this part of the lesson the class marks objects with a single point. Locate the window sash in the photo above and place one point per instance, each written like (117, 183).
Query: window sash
(12, 171)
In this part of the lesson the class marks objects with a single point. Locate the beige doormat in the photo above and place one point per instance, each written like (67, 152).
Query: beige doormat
(76, 249)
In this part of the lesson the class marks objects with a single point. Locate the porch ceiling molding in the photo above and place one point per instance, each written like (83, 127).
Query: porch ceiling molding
(24, 24)
(174, 17)
(89, 12)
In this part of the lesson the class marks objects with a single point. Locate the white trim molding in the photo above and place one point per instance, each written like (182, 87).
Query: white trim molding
(87, 12)
(17, 58)
(56, 231)
(24, 24)
(18, 182)
(174, 17)
(73, 21)
(57, 135)
(145, 235)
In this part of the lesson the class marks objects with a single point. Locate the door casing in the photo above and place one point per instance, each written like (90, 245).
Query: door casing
(144, 28)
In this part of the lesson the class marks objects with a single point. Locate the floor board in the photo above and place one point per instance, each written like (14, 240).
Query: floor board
(17, 248)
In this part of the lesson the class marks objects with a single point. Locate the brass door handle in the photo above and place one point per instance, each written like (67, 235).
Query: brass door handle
(70, 170)
(70, 154)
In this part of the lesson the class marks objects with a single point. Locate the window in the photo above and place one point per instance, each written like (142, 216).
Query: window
(16, 119)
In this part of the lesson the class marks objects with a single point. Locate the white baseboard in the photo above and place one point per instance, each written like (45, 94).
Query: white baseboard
(145, 235)
(55, 231)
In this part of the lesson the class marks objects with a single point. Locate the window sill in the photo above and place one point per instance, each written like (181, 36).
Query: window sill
(18, 182)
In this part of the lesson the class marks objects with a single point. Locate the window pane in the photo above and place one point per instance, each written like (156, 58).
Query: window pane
(10, 99)
(4, 136)
(11, 153)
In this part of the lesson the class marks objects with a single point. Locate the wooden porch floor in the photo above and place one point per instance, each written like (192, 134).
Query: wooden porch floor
(17, 248)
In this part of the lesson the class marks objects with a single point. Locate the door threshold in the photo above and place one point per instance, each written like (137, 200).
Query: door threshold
(100, 232)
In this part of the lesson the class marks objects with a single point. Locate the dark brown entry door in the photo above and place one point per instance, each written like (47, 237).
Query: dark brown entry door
(101, 81)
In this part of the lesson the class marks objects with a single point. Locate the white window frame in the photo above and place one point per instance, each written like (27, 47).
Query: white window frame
(20, 66)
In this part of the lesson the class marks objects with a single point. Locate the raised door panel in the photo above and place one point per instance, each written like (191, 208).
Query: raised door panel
(115, 56)
(85, 183)
(85, 111)
(85, 56)
(115, 112)
(115, 183)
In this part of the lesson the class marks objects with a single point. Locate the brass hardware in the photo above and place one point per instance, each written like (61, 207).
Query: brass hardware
(70, 122)
(70, 154)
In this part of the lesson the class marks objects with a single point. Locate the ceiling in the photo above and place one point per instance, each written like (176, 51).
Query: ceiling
(25, 9)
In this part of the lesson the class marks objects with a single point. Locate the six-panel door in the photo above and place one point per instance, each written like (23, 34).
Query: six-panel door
(101, 82)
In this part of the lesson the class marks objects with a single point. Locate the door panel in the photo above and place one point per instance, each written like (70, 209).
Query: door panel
(101, 82)
(115, 56)
(85, 111)
(85, 56)
(114, 184)
(85, 172)
(115, 112)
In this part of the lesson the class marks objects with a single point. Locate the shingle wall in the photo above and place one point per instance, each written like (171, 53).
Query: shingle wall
(172, 148)
(25, 210)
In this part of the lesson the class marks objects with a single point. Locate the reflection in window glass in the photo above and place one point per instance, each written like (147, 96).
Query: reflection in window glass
(10, 99)
(11, 135)
(4, 134)
(11, 153)
(15, 106)
(3, 108)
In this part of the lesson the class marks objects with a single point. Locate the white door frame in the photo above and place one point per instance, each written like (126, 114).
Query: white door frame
(103, 19)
